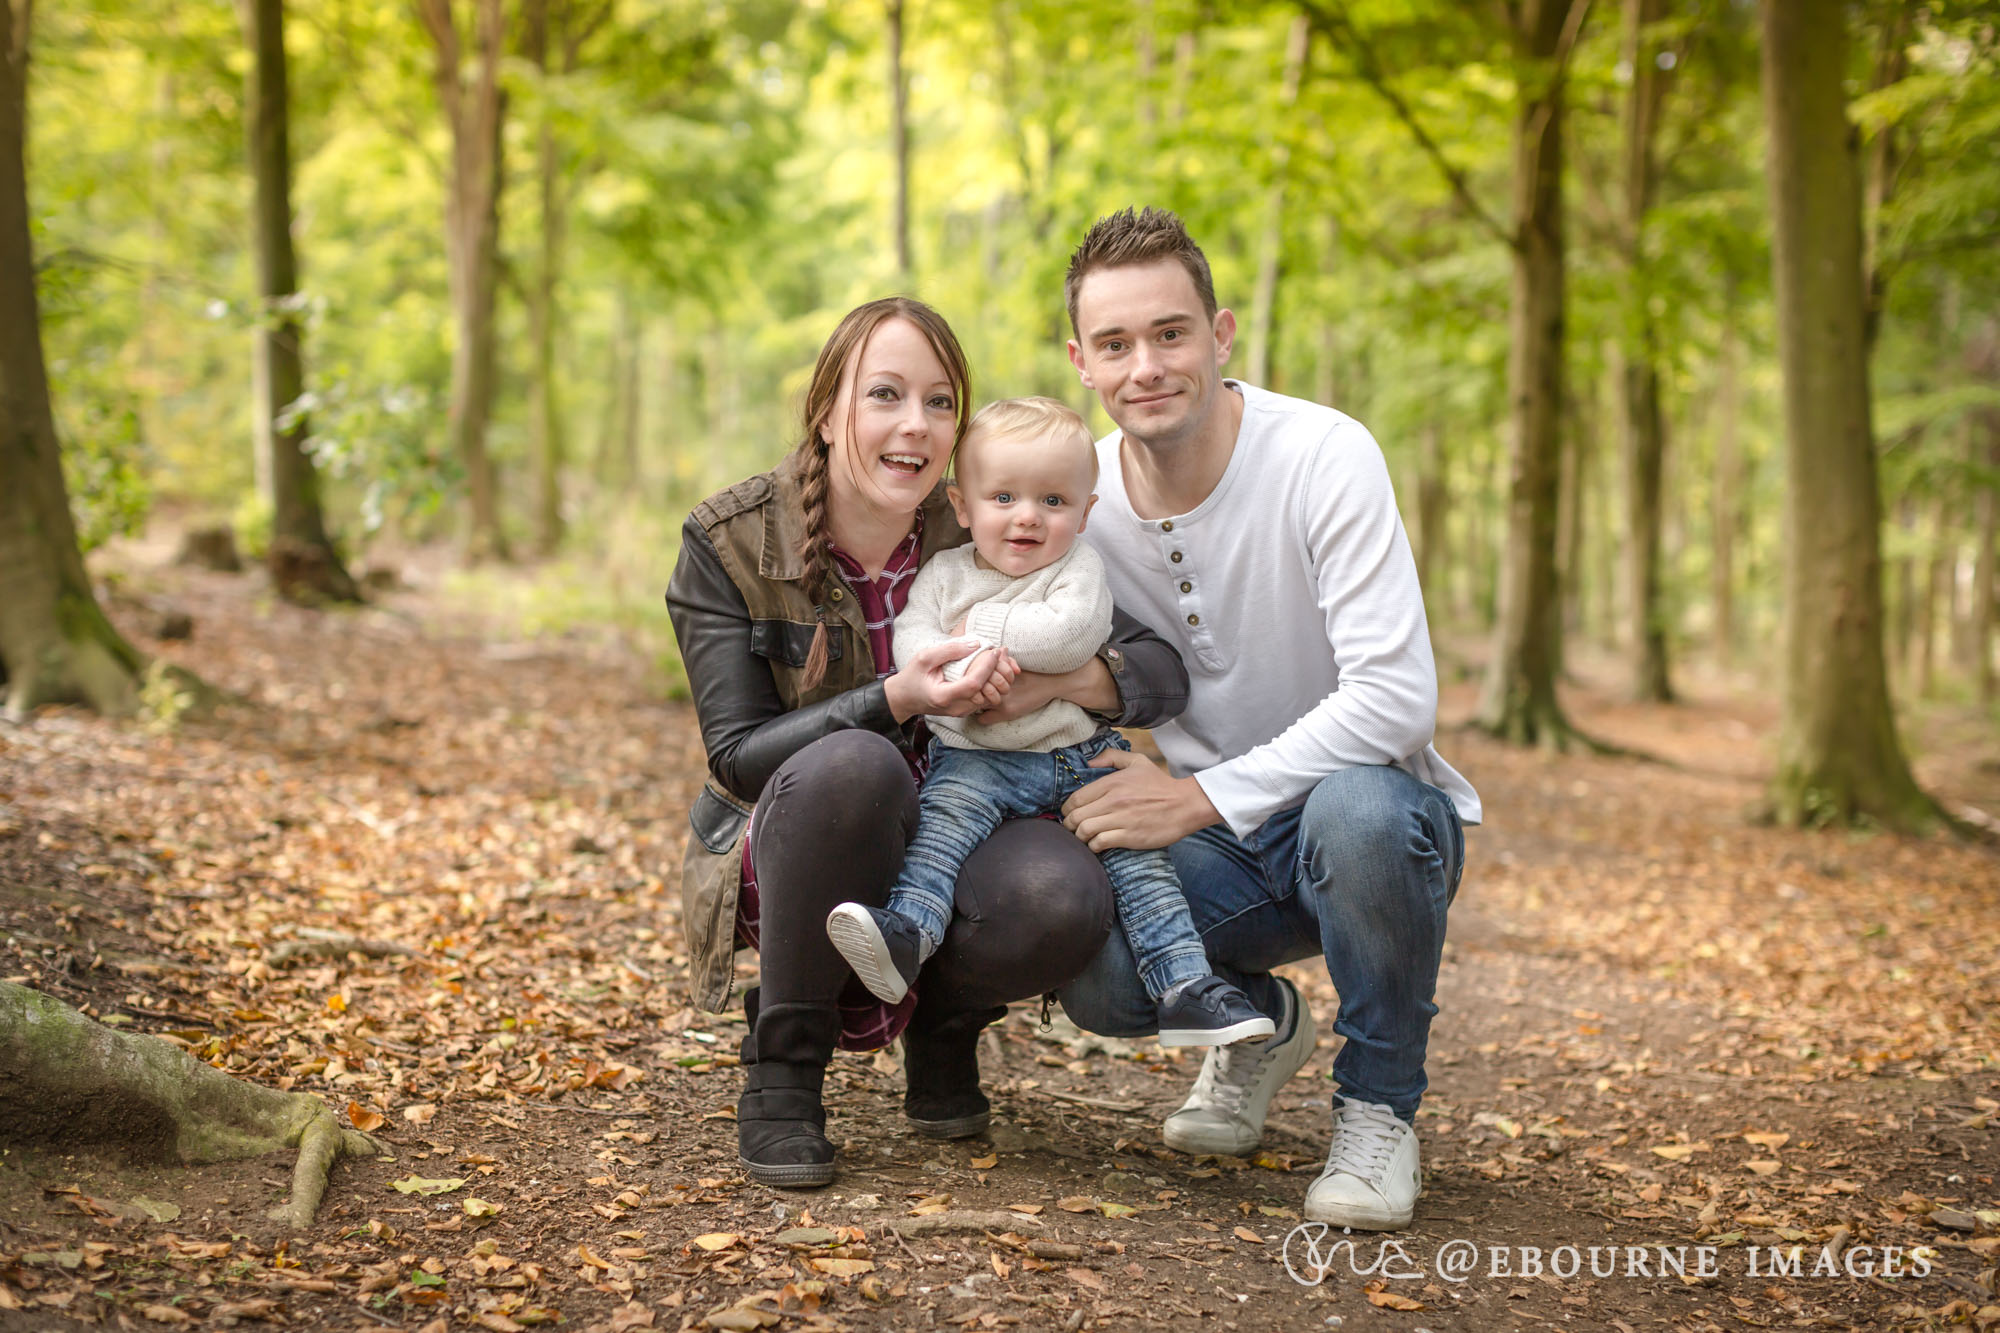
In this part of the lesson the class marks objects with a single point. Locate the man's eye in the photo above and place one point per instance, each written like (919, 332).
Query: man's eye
(1114, 346)
(1170, 335)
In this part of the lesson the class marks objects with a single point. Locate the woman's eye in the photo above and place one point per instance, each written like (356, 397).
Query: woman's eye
(882, 392)
(943, 403)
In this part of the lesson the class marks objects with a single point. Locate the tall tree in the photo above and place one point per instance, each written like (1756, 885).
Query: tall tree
(1271, 238)
(55, 644)
(469, 89)
(1839, 758)
(1639, 380)
(1518, 701)
(304, 564)
(899, 137)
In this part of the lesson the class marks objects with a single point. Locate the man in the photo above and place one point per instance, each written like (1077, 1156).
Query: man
(1303, 805)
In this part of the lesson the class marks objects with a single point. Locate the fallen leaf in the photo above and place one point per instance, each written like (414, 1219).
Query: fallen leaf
(153, 1208)
(419, 1185)
(1084, 1277)
(1763, 1166)
(843, 1267)
(1077, 1203)
(1031, 1209)
(1379, 1295)
(363, 1118)
(481, 1208)
(1772, 1142)
(257, 1309)
(583, 1251)
(498, 1322)
(717, 1240)
(1245, 1233)
(166, 1314)
(628, 1317)
(986, 1163)
(420, 1113)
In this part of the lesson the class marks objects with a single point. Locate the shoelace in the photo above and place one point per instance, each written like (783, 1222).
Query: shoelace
(1228, 1073)
(1364, 1135)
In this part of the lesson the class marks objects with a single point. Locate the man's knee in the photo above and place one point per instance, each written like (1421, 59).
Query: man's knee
(1368, 811)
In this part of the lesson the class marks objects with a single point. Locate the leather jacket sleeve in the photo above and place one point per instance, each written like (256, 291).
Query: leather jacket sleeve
(744, 725)
(1151, 678)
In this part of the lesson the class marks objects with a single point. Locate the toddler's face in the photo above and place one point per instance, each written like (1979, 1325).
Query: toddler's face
(1024, 500)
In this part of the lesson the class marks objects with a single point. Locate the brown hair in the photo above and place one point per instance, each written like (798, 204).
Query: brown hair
(1020, 418)
(843, 349)
(1142, 237)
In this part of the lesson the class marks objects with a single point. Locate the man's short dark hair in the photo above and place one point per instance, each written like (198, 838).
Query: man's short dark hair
(1137, 237)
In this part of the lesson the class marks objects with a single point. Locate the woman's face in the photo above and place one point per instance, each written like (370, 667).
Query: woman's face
(891, 427)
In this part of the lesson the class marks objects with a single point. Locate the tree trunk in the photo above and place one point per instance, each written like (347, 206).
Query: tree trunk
(1569, 515)
(1639, 381)
(1271, 241)
(1519, 699)
(1935, 572)
(899, 138)
(1839, 759)
(474, 106)
(1432, 498)
(1726, 508)
(1986, 515)
(304, 565)
(544, 403)
(55, 644)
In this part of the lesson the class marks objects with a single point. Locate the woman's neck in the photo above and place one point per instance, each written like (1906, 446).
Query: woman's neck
(864, 532)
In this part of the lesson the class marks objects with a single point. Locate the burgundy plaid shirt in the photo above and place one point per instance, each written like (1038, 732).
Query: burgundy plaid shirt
(866, 1023)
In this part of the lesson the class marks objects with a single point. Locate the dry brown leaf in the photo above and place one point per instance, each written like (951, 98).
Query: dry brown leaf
(1245, 1233)
(714, 1240)
(1031, 1209)
(1380, 1296)
(1086, 1278)
(843, 1267)
(364, 1118)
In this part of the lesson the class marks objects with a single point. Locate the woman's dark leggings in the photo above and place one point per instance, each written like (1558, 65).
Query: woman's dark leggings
(1032, 908)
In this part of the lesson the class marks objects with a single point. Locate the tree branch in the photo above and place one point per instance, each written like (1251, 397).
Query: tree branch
(1343, 34)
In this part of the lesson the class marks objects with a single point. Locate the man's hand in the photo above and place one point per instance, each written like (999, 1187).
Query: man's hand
(1138, 806)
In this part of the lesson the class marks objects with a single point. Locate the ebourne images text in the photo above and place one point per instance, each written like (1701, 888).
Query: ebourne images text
(1312, 1253)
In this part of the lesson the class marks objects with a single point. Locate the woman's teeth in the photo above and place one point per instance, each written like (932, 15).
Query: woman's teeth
(904, 462)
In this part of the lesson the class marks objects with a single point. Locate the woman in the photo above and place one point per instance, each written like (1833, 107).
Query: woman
(781, 603)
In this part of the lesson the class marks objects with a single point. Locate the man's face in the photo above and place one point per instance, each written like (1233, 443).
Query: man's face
(1153, 357)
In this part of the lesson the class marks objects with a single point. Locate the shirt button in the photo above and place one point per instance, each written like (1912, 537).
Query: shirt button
(1187, 587)
(1175, 557)
(1167, 526)
(1194, 620)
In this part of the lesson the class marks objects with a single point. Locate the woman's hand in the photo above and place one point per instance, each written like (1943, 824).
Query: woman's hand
(921, 688)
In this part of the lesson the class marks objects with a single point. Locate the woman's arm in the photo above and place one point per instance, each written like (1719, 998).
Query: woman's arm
(744, 725)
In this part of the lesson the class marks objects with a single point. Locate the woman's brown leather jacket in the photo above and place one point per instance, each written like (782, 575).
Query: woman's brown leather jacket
(745, 624)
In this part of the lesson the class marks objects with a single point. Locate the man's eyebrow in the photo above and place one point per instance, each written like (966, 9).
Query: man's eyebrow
(1162, 321)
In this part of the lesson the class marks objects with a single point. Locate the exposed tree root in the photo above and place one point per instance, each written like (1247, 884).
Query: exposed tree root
(312, 943)
(66, 1079)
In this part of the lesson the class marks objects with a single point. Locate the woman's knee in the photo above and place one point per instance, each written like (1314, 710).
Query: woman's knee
(846, 777)
(1032, 908)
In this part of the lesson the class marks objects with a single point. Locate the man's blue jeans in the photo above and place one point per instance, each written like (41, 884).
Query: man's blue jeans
(968, 793)
(1361, 874)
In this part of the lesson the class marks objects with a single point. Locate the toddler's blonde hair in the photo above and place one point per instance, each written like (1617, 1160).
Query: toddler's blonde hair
(1026, 418)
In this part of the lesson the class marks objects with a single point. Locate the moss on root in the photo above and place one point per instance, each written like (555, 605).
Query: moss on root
(67, 1079)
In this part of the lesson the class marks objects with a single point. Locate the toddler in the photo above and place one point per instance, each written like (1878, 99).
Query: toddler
(1023, 481)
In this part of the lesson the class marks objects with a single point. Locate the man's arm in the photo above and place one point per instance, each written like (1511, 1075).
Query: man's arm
(1372, 611)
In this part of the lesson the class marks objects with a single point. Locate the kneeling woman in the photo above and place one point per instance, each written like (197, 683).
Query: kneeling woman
(782, 602)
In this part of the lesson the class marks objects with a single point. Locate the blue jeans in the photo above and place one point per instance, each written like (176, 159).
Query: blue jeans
(1362, 875)
(964, 799)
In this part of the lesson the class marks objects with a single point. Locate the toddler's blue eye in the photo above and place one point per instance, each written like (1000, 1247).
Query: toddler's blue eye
(1003, 497)
(1052, 501)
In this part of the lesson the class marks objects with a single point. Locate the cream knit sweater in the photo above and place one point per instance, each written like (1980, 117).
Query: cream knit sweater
(1052, 620)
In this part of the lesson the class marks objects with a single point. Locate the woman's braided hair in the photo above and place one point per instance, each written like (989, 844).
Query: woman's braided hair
(841, 353)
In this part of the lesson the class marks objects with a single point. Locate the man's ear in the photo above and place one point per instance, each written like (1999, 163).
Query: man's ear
(1076, 359)
(1225, 336)
(957, 499)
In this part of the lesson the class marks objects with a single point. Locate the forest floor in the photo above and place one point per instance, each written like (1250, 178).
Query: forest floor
(426, 868)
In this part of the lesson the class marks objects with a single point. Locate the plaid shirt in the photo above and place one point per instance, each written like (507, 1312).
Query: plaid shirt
(866, 1023)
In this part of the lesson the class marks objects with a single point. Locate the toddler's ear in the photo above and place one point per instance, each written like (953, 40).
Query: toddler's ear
(957, 499)
(1088, 505)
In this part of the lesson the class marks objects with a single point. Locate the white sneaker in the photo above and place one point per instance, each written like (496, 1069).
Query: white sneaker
(1224, 1113)
(1372, 1172)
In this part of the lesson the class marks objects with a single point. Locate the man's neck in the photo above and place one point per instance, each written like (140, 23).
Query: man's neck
(1167, 479)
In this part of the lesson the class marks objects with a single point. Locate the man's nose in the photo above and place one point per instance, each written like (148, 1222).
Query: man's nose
(1145, 365)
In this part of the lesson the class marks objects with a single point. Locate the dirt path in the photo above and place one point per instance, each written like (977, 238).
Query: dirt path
(1661, 1027)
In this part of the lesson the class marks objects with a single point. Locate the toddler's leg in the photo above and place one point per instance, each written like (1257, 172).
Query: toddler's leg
(1196, 1008)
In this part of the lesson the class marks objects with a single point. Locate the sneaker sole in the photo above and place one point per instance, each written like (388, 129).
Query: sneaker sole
(793, 1175)
(855, 935)
(1229, 1036)
(1360, 1219)
(965, 1127)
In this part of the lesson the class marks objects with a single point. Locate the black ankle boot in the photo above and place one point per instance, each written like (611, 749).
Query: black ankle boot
(780, 1122)
(941, 1097)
